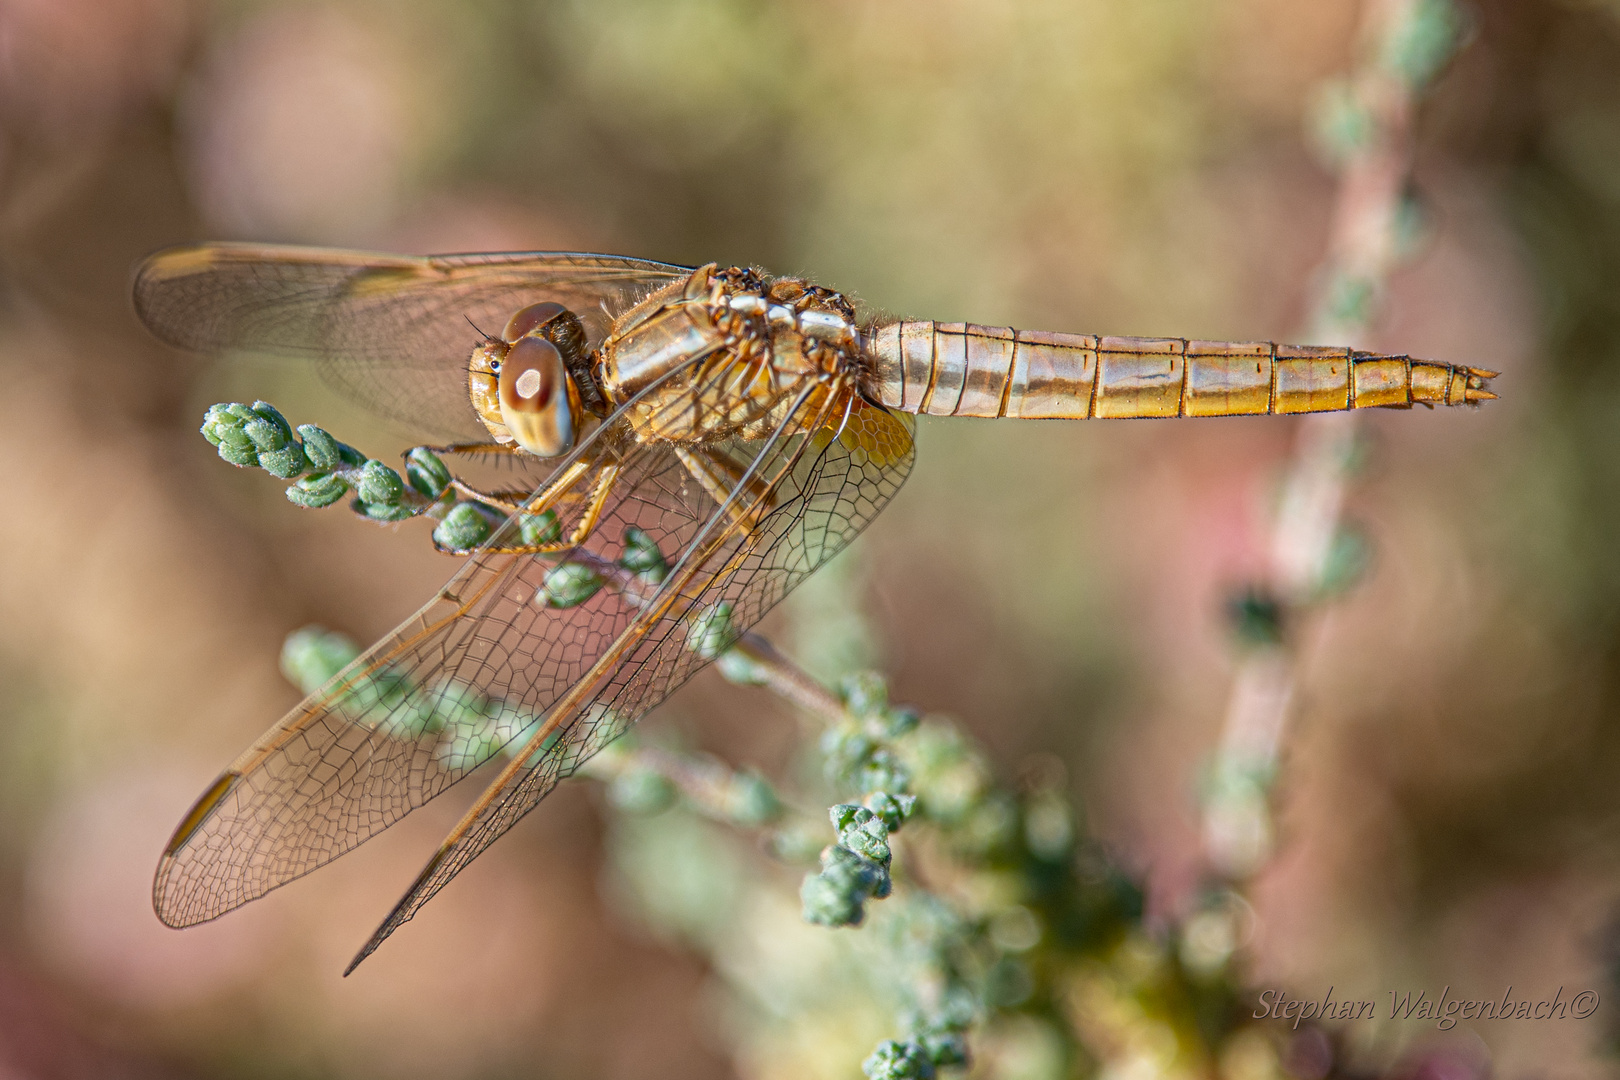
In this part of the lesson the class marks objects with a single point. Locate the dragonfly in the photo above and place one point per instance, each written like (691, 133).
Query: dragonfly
(704, 438)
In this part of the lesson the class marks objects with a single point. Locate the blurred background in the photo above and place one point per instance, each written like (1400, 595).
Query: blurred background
(1449, 813)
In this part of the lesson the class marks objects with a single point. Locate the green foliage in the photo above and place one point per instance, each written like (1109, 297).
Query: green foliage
(256, 435)
(463, 528)
(570, 585)
(318, 490)
(1417, 48)
(312, 656)
(642, 556)
(426, 472)
(542, 528)
(711, 632)
(894, 1060)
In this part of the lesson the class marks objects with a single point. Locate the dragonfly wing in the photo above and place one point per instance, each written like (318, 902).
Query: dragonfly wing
(391, 332)
(466, 678)
(831, 470)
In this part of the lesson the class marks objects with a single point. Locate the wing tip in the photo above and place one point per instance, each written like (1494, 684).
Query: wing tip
(414, 897)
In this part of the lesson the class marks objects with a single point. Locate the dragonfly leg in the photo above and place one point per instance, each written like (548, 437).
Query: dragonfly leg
(593, 511)
(720, 475)
(475, 449)
(521, 503)
(559, 492)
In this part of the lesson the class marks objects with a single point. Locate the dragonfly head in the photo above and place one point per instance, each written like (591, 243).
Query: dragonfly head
(520, 384)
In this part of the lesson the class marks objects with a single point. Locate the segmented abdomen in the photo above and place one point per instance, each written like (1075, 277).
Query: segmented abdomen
(961, 369)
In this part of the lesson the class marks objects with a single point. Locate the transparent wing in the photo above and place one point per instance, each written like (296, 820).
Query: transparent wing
(391, 332)
(466, 676)
(473, 674)
(827, 473)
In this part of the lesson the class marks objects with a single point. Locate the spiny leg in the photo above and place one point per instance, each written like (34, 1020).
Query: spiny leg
(553, 493)
(559, 491)
(582, 529)
(493, 449)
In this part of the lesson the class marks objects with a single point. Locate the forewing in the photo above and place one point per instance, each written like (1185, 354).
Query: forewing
(828, 482)
(391, 332)
(464, 679)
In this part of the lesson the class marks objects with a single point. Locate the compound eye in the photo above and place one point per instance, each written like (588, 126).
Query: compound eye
(535, 402)
(529, 318)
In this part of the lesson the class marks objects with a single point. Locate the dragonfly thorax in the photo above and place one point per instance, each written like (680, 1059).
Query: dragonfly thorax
(724, 352)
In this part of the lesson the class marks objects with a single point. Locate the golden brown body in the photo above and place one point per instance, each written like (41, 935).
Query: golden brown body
(962, 369)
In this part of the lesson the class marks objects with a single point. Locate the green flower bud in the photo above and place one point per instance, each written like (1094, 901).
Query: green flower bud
(1350, 299)
(426, 473)
(848, 816)
(468, 743)
(317, 490)
(738, 667)
(1418, 46)
(957, 1010)
(795, 843)
(894, 1060)
(218, 421)
(837, 895)
(1340, 122)
(945, 1047)
(320, 448)
(641, 555)
(865, 693)
(862, 832)
(711, 632)
(237, 454)
(569, 585)
(893, 810)
(456, 704)
(900, 721)
(268, 413)
(406, 721)
(312, 655)
(284, 464)
(823, 903)
(751, 800)
(462, 529)
(882, 771)
(381, 512)
(373, 696)
(265, 435)
(513, 728)
(538, 529)
(641, 791)
(243, 413)
(1348, 557)
(378, 484)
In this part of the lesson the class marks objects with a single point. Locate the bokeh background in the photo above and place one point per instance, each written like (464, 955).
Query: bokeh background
(1450, 813)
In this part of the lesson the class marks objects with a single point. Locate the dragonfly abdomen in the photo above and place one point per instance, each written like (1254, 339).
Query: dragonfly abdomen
(963, 369)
